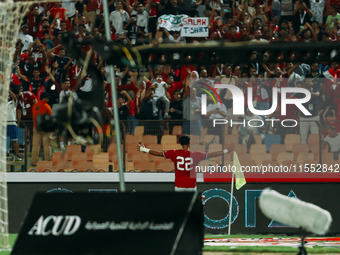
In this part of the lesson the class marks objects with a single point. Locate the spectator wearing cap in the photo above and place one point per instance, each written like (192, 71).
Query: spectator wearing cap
(40, 136)
(217, 27)
(26, 39)
(332, 140)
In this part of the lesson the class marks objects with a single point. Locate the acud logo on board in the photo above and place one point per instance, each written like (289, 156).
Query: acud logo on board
(56, 225)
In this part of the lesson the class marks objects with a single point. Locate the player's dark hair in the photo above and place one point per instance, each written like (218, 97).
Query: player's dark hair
(184, 140)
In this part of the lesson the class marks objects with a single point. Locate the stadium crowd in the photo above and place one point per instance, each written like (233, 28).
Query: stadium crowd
(42, 64)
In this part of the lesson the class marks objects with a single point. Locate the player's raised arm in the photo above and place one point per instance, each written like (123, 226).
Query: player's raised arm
(229, 148)
(141, 147)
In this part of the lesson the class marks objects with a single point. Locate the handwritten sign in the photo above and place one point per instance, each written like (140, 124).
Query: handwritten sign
(171, 22)
(195, 27)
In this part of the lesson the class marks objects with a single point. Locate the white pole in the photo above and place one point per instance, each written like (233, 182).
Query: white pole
(231, 203)
(114, 101)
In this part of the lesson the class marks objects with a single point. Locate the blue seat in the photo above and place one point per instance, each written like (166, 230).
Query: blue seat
(271, 139)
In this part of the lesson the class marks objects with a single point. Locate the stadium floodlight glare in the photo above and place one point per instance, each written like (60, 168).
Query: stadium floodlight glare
(294, 212)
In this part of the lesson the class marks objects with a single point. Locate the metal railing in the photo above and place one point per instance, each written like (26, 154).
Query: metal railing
(164, 135)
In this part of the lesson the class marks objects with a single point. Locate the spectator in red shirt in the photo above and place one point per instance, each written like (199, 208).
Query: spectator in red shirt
(233, 35)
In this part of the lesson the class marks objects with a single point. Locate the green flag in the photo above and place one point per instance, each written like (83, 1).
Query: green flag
(239, 176)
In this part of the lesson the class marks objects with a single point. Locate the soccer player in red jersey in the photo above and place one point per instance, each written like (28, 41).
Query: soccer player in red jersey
(185, 162)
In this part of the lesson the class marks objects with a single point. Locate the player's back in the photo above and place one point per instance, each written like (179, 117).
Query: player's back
(185, 162)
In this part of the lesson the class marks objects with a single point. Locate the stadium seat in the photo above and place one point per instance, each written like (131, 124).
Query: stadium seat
(300, 148)
(291, 164)
(327, 156)
(271, 139)
(149, 139)
(291, 140)
(305, 157)
(57, 156)
(135, 155)
(45, 166)
(247, 162)
(129, 167)
(169, 139)
(173, 146)
(275, 149)
(144, 166)
(282, 156)
(139, 131)
(77, 158)
(234, 130)
(177, 130)
(84, 166)
(194, 139)
(197, 147)
(213, 148)
(72, 149)
(93, 149)
(131, 139)
(101, 161)
(313, 139)
(232, 139)
(164, 165)
(206, 163)
(257, 148)
(259, 157)
(258, 139)
(241, 148)
(128, 147)
(63, 166)
(269, 163)
(155, 146)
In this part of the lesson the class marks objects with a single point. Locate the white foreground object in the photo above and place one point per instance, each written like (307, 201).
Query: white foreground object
(294, 212)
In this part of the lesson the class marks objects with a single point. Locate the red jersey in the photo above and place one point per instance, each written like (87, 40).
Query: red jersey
(185, 162)
(58, 13)
(73, 73)
(153, 10)
(25, 103)
(175, 86)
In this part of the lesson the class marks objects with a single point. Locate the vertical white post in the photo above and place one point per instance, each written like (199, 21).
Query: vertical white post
(114, 101)
(231, 203)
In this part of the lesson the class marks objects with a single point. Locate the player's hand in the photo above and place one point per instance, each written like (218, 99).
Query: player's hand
(139, 145)
(230, 147)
